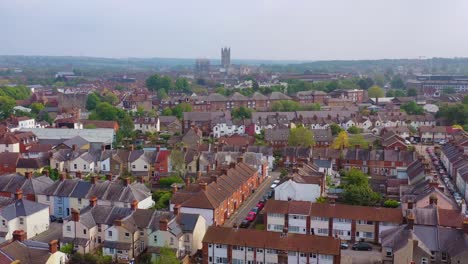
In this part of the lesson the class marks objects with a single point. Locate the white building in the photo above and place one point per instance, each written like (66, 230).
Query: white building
(300, 189)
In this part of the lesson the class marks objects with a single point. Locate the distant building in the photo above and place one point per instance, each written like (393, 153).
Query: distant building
(225, 57)
(202, 67)
(434, 85)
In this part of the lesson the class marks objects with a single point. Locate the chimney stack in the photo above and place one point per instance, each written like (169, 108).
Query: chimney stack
(74, 147)
(410, 221)
(465, 226)
(199, 175)
(109, 177)
(19, 235)
(126, 181)
(75, 215)
(410, 204)
(214, 178)
(93, 201)
(203, 185)
(175, 188)
(134, 205)
(53, 246)
(176, 209)
(163, 224)
(232, 165)
(62, 176)
(158, 148)
(187, 181)
(223, 172)
(132, 147)
(240, 159)
(93, 179)
(28, 174)
(18, 194)
(118, 222)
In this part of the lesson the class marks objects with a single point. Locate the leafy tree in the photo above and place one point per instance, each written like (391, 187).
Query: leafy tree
(321, 199)
(18, 92)
(179, 109)
(104, 111)
(182, 85)
(285, 106)
(283, 173)
(412, 92)
(400, 93)
(167, 112)
(67, 248)
(36, 108)
(357, 190)
(162, 198)
(241, 113)
(365, 83)
(335, 129)
(167, 256)
(354, 130)
(390, 93)
(120, 87)
(301, 136)
(89, 258)
(311, 107)
(376, 92)
(178, 162)
(391, 203)
(412, 108)
(358, 139)
(92, 101)
(341, 141)
(110, 98)
(6, 106)
(397, 82)
(168, 181)
(162, 94)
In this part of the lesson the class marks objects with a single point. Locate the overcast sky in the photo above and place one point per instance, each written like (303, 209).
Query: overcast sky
(254, 29)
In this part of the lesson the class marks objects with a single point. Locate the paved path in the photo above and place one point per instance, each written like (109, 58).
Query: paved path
(250, 203)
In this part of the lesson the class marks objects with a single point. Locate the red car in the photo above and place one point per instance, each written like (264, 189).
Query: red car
(251, 216)
(260, 205)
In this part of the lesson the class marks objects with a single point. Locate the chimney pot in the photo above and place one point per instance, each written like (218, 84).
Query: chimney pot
(93, 201)
(134, 205)
(163, 224)
(203, 185)
(19, 235)
(19, 194)
(75, 215)
(177, 209)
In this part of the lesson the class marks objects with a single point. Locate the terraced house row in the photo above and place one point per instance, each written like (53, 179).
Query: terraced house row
(348, 222)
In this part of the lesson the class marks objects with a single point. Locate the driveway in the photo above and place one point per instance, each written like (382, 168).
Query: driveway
(251, 202)
(54, 232)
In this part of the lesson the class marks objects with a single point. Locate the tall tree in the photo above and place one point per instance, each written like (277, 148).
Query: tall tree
(301, 136)
(341, 141)
(241, 113)
(92, 101)
(376, 92)
(6, 106)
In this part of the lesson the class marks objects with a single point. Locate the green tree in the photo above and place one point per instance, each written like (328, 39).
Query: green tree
(36, 108)
(167, 112)
(67, 248)
(400, 93)
(448, 90)
(335, 129)
(92, 101)
(391, 203)
(182, 85)
(285, 106)
(412, 92)
(110, 98)
(354, 130)
(357, 190)
(178, 162)
(6, 106)
(412, 108)
(179, 109)
(166, 182)
(301, 136)
(397, 82)
(341, 141)
(376, 92)
(104, 111)
(241, 113)
(166, 256)
(358, 139)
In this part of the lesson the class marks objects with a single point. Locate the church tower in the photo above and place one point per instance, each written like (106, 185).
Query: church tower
(225, 57)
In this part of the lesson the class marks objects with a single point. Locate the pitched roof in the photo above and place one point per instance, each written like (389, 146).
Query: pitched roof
(272, 240)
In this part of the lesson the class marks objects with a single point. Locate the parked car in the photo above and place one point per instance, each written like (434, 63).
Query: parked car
(244, 224)
(60, 220)
(271, 193)
(276, 181)
(344, 245)
(260, 205)
(255, 210)
(52, 218)
(273, 186)
(251, 216)
(362, 246)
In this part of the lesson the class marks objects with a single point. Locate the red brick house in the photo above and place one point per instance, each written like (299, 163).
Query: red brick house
(220, 198)
(8, 162)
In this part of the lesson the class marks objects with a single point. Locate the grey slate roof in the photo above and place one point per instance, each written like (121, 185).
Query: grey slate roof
(20, 208)
(36, 185)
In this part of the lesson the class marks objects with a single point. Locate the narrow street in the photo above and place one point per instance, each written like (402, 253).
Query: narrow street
(244, 209)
